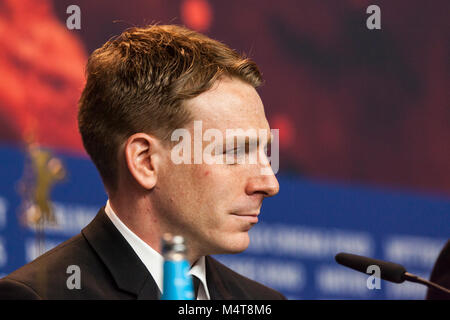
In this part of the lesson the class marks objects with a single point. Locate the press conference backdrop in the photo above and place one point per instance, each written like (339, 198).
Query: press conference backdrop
(292, 249)
(363, 115)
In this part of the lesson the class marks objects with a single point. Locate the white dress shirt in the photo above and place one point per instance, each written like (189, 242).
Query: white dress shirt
(151, 258)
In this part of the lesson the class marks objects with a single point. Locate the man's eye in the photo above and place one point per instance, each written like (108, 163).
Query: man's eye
(268, 150)
(235, 151)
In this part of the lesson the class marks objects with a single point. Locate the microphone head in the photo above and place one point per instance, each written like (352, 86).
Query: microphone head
(388, 270)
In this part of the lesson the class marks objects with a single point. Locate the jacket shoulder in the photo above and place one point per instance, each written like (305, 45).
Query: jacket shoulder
(52, 261)
(15, 290)
(46, 277)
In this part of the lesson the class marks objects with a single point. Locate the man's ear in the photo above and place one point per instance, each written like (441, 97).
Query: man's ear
(142, 156)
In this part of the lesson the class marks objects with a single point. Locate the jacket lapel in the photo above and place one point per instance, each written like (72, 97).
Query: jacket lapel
(128, 271)
(218, 288)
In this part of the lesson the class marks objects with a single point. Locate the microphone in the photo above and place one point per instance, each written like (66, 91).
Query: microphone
(389, 271)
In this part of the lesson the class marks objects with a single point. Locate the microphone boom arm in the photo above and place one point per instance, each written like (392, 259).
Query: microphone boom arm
(390, 271)
(413, 278)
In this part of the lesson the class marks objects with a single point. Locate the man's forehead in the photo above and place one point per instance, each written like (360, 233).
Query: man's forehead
(229, 104)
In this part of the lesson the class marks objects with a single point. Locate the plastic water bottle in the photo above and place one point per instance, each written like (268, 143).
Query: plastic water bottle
(177, 282)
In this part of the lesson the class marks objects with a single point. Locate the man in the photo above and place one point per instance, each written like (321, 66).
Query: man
(141, 87)
(441, 275)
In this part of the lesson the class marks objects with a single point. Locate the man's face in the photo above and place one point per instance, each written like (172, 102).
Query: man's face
(214, 205)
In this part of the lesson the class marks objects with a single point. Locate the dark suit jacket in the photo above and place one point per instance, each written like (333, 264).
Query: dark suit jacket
(441, 275)
(110, 269)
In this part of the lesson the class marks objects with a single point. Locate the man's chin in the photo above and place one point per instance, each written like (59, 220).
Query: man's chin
(235, 244)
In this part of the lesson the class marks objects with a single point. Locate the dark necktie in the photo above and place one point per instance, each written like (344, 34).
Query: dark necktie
(196, 286)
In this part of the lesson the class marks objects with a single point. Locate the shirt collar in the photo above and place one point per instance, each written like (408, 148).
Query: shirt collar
(199, 270)
(152, 259)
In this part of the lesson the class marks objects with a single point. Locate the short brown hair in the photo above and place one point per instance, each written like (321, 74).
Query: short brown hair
(137, 81)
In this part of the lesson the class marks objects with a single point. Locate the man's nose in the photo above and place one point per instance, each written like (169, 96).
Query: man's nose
(265, 184)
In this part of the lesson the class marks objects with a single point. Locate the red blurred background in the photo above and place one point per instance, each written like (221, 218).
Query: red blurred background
(352, 104)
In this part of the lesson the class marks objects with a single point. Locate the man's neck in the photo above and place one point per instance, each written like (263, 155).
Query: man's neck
(142, 221)
(139, 221)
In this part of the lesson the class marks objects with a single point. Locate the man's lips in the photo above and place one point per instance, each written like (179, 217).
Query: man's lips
(249, 217)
